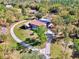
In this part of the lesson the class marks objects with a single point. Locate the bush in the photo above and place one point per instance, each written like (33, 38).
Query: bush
(19, 47)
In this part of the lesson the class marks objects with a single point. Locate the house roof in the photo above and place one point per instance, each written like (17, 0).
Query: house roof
(44, 20)
(37, 23)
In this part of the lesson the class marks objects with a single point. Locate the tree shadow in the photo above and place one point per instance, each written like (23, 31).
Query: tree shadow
(32, 42)
(24, 27)
(75, 54)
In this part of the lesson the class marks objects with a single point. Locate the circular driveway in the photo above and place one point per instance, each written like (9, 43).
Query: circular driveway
(45, 50)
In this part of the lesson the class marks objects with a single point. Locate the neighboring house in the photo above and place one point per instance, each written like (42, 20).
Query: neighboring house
(32, 11)
(9, 6)
(34, 23)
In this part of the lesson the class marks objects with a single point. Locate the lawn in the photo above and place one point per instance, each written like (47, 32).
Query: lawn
(56, 51)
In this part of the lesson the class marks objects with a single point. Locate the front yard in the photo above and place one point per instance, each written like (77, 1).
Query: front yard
(24, 34)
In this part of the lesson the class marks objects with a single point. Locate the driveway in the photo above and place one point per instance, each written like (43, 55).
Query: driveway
(45, 51)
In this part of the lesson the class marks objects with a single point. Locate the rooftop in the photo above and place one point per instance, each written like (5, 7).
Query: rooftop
(45, 20)
(37, 23)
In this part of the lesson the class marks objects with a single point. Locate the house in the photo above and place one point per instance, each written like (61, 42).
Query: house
(34, 23)
(32, 11)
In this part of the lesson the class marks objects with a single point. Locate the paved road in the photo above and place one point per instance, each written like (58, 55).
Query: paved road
(45, 51)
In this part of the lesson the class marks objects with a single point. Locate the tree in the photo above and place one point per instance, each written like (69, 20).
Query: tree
(2, 11)
(44, 7)
(58, 21)
(41, 33)
(9, 16)
(33, 42)
(19, 47)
